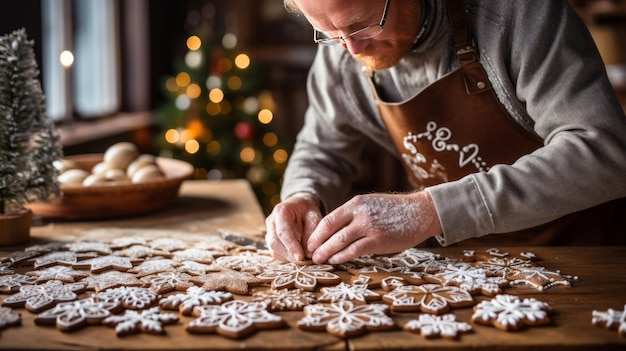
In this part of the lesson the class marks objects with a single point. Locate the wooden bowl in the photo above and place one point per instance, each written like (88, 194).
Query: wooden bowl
(115, 199)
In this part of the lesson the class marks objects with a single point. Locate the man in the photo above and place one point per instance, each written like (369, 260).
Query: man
(501, 112)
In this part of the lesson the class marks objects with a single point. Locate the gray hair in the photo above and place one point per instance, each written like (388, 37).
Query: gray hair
(291, 6)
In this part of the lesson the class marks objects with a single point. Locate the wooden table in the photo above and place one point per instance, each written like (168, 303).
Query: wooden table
(205, 207)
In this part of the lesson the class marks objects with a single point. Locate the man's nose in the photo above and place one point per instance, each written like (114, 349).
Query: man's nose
(355, 46)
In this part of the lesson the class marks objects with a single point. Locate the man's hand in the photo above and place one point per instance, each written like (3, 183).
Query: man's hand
(289, 226)
(374, 224)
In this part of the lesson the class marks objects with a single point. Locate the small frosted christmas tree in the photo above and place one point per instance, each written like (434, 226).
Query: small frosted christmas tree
(28, 139)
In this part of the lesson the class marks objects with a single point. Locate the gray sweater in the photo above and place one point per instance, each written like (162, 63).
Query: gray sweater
(546, 72)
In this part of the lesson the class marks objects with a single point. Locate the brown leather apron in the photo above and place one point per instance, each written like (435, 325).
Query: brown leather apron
(456, 126)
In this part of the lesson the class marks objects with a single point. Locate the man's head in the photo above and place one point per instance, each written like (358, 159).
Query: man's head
(343, 19)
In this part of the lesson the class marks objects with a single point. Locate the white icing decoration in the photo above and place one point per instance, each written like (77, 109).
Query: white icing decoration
(131, 297)
(430, 326)
(357, 293)
(344, 318)
(194, 296)
(611, 319)
(303, 277)
(75, 314)
(509, 312)
(285, 299)
(429, 298)
(37, 298)
(8, 317)
(234, 318)
(148, 321)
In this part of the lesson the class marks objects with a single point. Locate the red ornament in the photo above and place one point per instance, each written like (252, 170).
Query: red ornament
(244, 130)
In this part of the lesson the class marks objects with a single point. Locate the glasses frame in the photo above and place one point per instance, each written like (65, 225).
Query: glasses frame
(342, 39)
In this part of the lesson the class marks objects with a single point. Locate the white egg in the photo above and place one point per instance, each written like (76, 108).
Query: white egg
(120, 155)
(73, 176)
(95, 179)
(116, 175)
(147, 173)
(64, 165)
(142, 160)
(100, 168)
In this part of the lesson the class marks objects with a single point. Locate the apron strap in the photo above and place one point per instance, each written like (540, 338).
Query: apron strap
(464, 45)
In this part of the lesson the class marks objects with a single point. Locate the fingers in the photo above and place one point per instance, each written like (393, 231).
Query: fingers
(290, 225)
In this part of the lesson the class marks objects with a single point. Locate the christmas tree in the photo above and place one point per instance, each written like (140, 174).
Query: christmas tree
(28, 139)
(219, 118)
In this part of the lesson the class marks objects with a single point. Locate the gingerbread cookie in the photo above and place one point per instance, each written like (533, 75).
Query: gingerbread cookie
(611, 319)
(539, 278)
(374, 276)
(37, 298)
(111, 279)
(63, 258)
(428, 298)
(469, 278)
(508, 312)
(90, 246)
(133, 298)
(285, 299)
(234, 281)
(11, 283)
(246, 261)
(195, 268)
(445, 326)
(164, 282)
(197, 255)
(9, 318)
(234, 319)
(306, 277)
(142, 251)
(69, 316)
(61, 273)
(154, 266)
(345, 319)
(359, 294)
(168, 244)
(193, 297)
(149, 321)
(104, 263)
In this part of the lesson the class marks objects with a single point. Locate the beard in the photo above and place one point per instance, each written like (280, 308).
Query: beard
(383, 54)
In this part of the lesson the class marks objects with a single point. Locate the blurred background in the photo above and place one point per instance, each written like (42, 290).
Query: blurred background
(220, 84)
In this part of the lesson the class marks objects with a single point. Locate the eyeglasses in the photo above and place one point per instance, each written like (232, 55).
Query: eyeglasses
(361, 34)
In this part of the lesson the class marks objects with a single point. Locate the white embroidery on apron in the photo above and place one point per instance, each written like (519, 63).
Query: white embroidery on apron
(439, 138)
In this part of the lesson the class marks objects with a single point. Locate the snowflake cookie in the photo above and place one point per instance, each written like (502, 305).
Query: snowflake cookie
(359, 294)
(285, 299)
(611, 319)
(234, 319)
(508, 312)
(68, 316)
(148, 321)
(11, 283)
(345, 319)
(387, 278)
(428, 298)
(9, 318)
(37, 298)
(306, 277)
(164, 282)
(194, 296)
(133, 298)
(445, 326)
